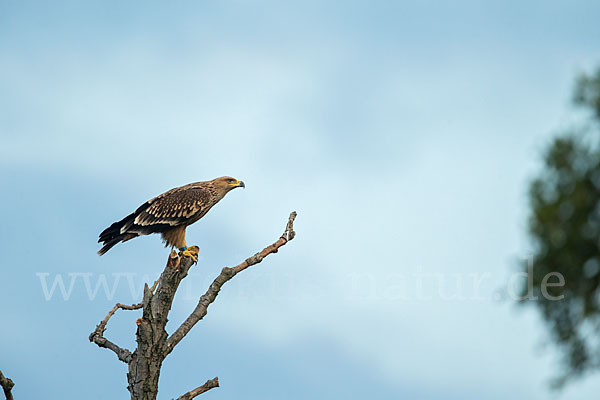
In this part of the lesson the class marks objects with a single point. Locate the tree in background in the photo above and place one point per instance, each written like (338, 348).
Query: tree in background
(564, 224)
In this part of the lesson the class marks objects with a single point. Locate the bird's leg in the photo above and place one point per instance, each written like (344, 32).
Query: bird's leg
(189, 252)
(184, 250)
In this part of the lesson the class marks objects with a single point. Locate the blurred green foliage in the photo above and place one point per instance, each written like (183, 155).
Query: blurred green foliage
(565, 227)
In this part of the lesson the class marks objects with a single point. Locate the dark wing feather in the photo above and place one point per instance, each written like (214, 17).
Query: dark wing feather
(181, 206)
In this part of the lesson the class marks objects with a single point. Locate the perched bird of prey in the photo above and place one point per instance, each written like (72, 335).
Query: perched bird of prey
(169, 214)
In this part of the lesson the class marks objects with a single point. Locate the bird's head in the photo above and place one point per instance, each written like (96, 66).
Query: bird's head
(226, 183)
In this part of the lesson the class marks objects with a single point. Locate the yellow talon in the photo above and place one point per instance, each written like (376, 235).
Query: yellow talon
(191, 252)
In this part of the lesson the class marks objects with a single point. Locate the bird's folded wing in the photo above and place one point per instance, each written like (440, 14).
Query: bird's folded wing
(173, 208)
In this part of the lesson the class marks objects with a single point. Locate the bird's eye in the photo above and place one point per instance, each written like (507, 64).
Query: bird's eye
(230, 180)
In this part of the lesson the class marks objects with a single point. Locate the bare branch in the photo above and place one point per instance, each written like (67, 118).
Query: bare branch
(97, 336)
(210, 384)
(7, 385)
(102, 326)
(226, 274)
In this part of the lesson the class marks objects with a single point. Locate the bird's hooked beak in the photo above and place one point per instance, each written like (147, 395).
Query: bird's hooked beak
(233, 183)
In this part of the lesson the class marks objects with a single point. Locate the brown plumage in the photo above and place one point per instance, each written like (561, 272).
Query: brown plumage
(169, 213)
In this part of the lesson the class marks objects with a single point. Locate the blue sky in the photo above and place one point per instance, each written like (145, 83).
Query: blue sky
(403, 133)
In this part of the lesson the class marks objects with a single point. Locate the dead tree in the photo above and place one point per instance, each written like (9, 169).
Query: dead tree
(8, 384)
(154, 344)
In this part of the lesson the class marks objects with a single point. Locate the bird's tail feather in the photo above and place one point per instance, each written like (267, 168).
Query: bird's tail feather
(113, 235)
(109, 245)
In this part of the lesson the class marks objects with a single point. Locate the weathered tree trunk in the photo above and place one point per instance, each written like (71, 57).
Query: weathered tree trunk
(146, 361)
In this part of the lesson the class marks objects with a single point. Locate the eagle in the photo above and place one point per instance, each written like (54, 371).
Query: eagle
(169, 214)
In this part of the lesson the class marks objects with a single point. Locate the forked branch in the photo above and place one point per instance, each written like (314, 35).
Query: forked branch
(226, 274)
(97, 336)
(153, 342)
